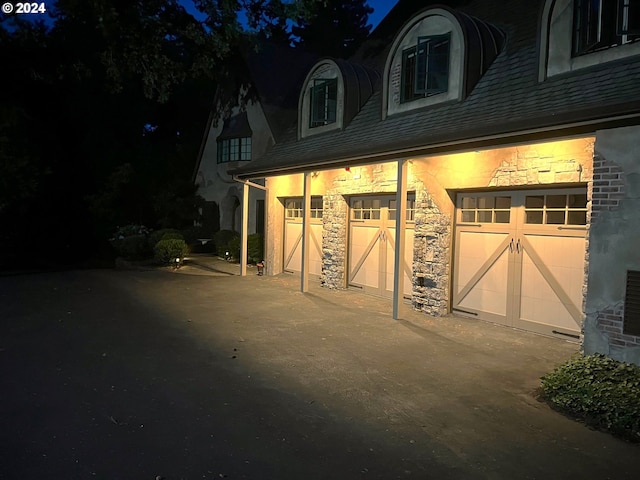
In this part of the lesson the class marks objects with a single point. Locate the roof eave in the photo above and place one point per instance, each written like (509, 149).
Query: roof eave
(565, 125)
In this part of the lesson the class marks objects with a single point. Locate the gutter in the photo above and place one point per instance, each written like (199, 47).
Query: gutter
(515, 136)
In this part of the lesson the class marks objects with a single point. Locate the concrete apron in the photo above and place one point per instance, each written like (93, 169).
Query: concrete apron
(460, 388)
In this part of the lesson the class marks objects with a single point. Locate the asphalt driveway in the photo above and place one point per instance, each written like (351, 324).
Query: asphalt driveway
(146, 374)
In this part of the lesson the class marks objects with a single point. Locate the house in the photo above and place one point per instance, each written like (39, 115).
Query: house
(254, 104)
(476, 157)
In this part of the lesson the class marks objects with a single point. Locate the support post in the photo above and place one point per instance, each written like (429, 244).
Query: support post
(245, 230)
(306, 230)
(401, 215)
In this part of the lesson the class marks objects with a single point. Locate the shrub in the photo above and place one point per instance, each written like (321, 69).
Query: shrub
(601, 391)
(168, 249)
(130, 242)
(255, 248)
(224, 241)
(164, 234)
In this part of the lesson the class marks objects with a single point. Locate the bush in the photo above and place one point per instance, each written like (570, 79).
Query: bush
(164, 234)
(130, 242)
(167, 250)
(227, 241)
(255, 248)
(601, 391)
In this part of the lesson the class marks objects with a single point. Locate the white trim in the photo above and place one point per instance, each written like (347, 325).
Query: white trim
(456, 79)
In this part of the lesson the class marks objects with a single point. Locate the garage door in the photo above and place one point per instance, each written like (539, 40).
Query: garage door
(372, 237)
(293, 235)
(519, 259)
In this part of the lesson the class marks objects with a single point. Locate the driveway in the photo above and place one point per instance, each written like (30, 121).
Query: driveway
(147, 374)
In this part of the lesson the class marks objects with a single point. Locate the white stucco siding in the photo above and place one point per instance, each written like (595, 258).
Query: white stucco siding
(213, 181)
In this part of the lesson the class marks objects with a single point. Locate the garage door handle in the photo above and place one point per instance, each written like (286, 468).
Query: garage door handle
(511, 246)
(518, 246)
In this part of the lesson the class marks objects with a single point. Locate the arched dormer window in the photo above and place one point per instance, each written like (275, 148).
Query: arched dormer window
(577, 34)
(321, 102)
(438, 56)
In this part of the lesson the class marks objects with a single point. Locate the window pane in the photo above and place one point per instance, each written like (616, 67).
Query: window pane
(468, 216)
(468, 202)
(485, 216)
(392, 214)
(324, 95)
(534, 217)
(408, 75)
(577, 218)
(357, 204)
(555, 218)
(503, 202)
(536, 201)
(578, 201)
(485, 202)
(556, 201)
(503, 217)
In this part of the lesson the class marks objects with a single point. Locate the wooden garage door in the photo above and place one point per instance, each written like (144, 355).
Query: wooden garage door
(519, 259)
(372, 244)
(293, 235)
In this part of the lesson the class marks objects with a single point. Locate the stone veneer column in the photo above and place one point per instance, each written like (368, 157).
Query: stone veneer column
(431, 267)
(334, 241)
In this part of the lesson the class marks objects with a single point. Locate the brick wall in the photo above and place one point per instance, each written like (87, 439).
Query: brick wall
(609, 189)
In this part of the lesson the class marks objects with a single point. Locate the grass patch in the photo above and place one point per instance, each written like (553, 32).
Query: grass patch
(598, 390)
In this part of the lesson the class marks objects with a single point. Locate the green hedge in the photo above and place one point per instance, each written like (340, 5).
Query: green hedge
(601, 391)
(164, 234)
(170, 249)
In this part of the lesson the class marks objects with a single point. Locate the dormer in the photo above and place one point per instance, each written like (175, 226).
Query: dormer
(439, 55)
(332, 94)
(577, 34)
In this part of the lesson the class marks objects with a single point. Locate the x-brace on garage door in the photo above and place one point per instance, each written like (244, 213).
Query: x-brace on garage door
(519, 259)
(372, 237)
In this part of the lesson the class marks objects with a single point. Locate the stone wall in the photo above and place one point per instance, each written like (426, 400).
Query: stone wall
(527, 166)
(334, 245)
(431, 265)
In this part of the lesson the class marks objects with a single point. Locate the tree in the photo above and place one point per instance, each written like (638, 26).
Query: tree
(333, 28)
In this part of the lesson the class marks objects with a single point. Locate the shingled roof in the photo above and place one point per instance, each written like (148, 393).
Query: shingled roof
(507, 105)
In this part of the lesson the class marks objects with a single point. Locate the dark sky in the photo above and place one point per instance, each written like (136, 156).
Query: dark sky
(380, 9)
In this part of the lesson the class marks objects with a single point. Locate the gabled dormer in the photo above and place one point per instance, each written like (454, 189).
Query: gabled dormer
(576, 34)
(437, 56)
(332, 94)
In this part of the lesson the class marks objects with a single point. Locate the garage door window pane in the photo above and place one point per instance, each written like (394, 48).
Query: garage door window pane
(577, 218)
(578, 201)
(503, 202)
(469, 216)
(485, 216)
(534, 217)
(503, 217)
(556, 201)
(555, 218)
(468, 202)
(534, 201)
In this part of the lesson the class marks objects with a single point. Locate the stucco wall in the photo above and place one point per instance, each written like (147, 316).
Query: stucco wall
(434, 22)
(556, 43)
(214, 184)
(614, 242)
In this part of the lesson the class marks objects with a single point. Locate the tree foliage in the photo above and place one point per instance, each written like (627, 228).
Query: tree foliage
(332, 28)
(103, 108)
